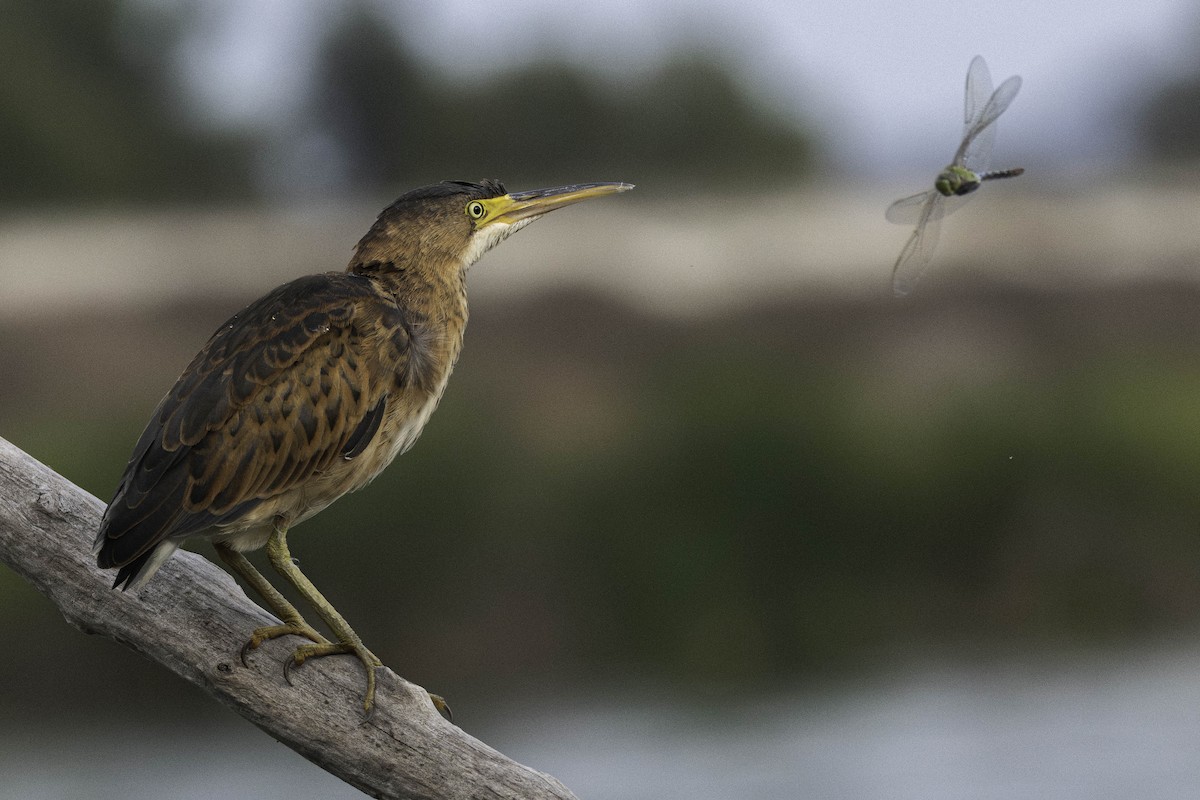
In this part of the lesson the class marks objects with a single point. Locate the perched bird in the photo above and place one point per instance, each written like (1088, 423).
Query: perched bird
(307, 394)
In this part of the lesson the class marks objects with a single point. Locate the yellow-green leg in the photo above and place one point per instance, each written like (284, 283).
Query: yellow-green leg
(347, 640)
(293, 622)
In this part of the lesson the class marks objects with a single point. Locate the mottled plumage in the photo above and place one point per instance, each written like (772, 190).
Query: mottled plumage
(308, 393)
(291, 390)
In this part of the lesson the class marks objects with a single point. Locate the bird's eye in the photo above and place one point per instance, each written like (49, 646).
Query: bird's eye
(475, 210)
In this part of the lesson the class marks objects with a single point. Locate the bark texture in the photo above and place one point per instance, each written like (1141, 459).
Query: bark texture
(193, 619)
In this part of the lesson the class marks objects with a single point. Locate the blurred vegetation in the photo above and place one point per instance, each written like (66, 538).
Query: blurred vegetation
(1169, 127)
(89, 111)
(688, 123)
(93, 109)
(1167, 116)
(798, 488)
(95, 106)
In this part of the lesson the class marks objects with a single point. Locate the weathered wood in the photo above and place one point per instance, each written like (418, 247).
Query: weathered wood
(193, 619)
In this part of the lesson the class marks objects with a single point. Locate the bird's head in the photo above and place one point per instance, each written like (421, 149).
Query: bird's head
(449, 225)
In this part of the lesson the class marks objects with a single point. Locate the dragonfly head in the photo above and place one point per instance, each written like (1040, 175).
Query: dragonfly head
(956, 180)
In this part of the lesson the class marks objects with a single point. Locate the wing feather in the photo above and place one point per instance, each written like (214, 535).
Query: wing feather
(287, 387)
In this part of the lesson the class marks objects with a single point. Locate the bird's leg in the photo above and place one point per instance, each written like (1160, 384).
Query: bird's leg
(293, 622)
(347, 640)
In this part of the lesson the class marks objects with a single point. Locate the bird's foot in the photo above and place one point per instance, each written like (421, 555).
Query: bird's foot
(269, 632)
(369, 660)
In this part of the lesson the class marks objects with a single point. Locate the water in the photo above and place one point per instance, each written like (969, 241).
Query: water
(1121, 727)
(1115, 729)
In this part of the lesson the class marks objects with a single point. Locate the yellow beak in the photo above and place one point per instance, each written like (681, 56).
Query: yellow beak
(517, 206)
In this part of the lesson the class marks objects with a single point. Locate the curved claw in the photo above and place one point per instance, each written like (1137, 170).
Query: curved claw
(288, 663)
(369, 698)
(304, 653)
(269, 632)
(246, 648)
(442, 706)
(322, 647)
(369, 661)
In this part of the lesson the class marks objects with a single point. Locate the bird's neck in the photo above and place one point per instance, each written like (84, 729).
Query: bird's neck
(424, 276)
(406, 277)
(433, 292)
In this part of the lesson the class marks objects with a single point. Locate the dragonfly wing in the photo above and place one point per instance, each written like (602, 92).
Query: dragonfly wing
(979, 89)
(918, 250)
(952, 203)
(975, 152)
(908, 210)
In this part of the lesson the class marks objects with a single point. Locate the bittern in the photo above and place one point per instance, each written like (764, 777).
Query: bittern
(309, 393)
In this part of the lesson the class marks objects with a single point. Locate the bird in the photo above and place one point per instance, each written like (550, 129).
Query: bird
(307, 394)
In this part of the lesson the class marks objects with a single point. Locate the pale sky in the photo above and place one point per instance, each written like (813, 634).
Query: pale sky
(884, 79)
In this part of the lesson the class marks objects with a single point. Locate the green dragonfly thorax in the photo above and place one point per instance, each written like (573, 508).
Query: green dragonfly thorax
(956, 180)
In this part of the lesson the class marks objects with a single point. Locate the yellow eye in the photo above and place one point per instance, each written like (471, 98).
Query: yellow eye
(476, 210)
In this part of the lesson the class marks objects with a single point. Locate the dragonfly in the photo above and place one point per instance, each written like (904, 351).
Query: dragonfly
(957, 181)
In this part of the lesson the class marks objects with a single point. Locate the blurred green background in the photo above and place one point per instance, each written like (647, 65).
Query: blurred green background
(693, 444)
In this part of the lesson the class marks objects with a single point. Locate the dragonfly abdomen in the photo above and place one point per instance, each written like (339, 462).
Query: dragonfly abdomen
(1002, 173)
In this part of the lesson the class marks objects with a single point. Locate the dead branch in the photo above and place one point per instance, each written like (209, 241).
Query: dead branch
(193, 619)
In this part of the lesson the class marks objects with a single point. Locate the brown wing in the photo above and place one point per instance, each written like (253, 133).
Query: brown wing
(287, 386)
